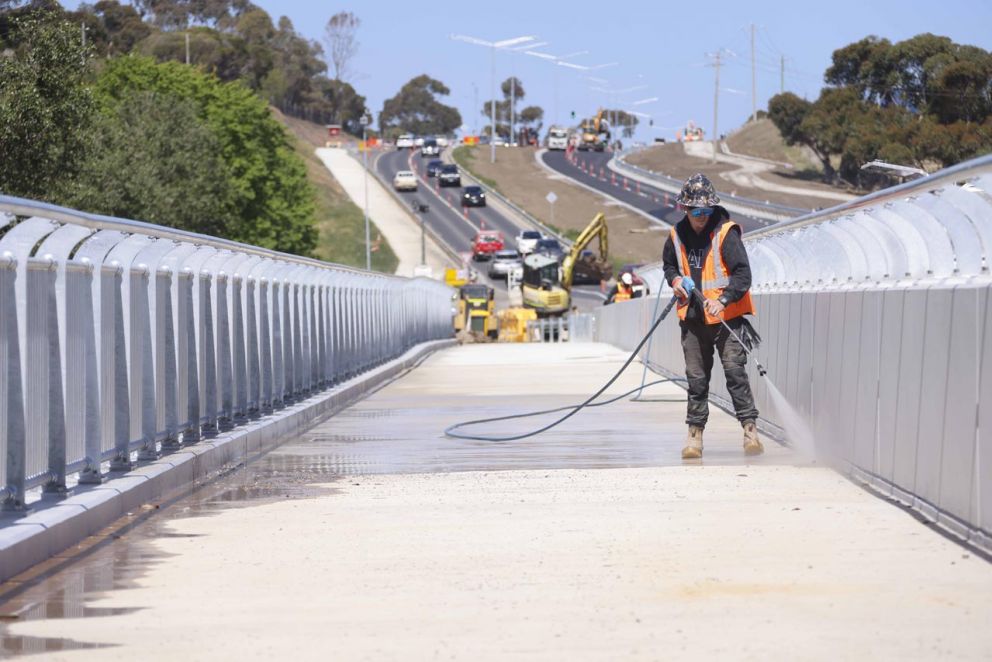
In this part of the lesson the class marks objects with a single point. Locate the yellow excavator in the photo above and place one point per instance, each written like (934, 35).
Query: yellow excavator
(595, 133)
(547, 285)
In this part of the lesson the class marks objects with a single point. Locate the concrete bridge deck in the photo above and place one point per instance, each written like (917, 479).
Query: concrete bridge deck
(374, 537)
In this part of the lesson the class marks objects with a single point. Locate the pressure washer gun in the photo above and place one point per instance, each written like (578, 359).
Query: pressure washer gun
(752, 337)
(689, 288)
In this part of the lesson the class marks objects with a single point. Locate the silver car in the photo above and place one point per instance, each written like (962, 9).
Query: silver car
(504, 262)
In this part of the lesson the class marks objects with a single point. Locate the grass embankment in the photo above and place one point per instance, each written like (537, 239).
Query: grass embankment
(517, 176)
(340, 222)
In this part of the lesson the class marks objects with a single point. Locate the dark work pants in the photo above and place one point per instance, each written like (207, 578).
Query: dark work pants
(698, 342)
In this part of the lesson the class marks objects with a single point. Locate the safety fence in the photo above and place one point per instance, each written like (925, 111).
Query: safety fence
(121, 340)
(877, 325)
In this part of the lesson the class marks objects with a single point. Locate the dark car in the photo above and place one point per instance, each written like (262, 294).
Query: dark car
(550, 247)
(473, 196)
(449, 175)
(434, 167)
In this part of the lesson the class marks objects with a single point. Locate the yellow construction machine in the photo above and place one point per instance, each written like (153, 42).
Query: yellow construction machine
(547, 285)
(476, 311)
(595, 133)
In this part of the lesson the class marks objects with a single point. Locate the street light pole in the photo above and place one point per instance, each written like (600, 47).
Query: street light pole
(365, 154)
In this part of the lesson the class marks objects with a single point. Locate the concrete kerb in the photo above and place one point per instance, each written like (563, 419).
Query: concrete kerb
(657, 221)
(39, 536)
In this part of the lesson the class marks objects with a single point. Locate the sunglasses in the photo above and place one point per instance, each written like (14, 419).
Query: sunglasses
(701, 211)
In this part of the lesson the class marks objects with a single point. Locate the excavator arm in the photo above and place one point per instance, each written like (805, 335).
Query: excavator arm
(597, 228)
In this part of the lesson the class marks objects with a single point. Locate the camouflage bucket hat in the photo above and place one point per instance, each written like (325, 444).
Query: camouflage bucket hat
(698, 191)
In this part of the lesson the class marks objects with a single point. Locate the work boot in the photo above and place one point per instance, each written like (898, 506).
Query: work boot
(752, 446)
(694, 444)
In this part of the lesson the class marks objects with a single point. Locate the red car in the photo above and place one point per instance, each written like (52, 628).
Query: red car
(485, 244)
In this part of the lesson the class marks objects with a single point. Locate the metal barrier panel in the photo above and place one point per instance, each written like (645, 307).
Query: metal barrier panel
(896, 382)
(141, 338)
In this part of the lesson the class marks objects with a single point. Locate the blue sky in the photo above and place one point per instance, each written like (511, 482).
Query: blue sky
(659, 45)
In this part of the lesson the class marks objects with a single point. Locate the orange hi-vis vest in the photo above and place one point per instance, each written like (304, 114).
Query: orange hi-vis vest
(624, 293)
(715, 276)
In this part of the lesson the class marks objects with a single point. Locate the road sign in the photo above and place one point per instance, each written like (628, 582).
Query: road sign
(551, 197)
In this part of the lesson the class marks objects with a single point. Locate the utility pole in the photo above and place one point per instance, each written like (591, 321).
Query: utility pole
(513, 103)
(716, 102)
(82, 27)
(781, 82)
(754, 80)
(365, 156)
(492, 112)
(475, 107)
(187, 49)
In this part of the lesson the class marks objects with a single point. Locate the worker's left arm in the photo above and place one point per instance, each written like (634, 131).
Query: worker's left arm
(735, 259)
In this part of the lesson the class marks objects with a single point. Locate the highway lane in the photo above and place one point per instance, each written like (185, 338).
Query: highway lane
(592, 171)
(457, 228)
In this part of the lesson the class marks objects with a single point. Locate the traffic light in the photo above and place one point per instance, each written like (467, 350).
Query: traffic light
(573, 114)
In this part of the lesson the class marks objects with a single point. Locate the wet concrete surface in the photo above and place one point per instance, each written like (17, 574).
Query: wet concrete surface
(397, 430)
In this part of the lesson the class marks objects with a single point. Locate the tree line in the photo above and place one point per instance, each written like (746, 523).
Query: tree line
(133, 137)
(925, 102)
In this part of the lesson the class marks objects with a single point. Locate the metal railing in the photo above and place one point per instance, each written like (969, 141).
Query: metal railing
(876, 317)
(121, 340)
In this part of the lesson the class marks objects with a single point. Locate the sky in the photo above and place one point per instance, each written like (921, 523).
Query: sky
(660, 48)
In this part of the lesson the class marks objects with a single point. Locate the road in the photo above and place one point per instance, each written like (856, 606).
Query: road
(456, 226)
(593, 172)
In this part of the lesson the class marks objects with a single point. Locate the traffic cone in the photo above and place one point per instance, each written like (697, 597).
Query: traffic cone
(613, 178)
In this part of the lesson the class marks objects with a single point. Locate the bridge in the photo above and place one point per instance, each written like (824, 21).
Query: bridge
(212, 449)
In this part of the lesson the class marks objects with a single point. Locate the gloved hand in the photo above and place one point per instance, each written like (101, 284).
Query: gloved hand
(681, 291)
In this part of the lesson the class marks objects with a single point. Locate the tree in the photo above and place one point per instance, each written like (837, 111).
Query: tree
(787, 112)
(151, 157)
(272, 203)
(342, 44)
(45, 107)
(416, 109)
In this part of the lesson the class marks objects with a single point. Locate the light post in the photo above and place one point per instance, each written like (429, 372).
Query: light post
(365, 153)
(493, 46)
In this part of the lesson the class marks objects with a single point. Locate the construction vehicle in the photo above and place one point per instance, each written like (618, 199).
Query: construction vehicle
(547, 285)
(691, 133)
(595, 133)
(455, 277)
(476, 311)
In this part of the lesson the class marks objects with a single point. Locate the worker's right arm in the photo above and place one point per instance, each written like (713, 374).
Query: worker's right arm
(669, 259)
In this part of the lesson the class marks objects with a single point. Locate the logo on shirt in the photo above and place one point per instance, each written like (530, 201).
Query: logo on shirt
(696, 257)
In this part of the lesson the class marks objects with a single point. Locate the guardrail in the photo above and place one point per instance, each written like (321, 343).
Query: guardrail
(122, 340)
(757, 207)
(877, 324)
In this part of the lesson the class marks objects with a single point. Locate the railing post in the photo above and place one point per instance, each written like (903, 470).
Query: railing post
(238, 352)
(114, 404)
(207, 368)
(167, 405)
(187, 363)
(142, 383)
(254, 370)
(265, 343)
(12, 432)
(45, 422)
(82, 387)
(225, 377)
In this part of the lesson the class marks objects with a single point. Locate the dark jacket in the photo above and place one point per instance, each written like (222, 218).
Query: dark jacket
(698, 247)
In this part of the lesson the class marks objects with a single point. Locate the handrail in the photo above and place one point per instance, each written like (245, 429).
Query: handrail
(26, 207)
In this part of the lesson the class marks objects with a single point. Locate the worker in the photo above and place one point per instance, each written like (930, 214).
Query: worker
(706, 245)
(623, 290)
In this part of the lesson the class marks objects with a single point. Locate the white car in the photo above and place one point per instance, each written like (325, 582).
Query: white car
(418, 141)
(404, 141)
(442, 141)
(405, 180)
(527, 241)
